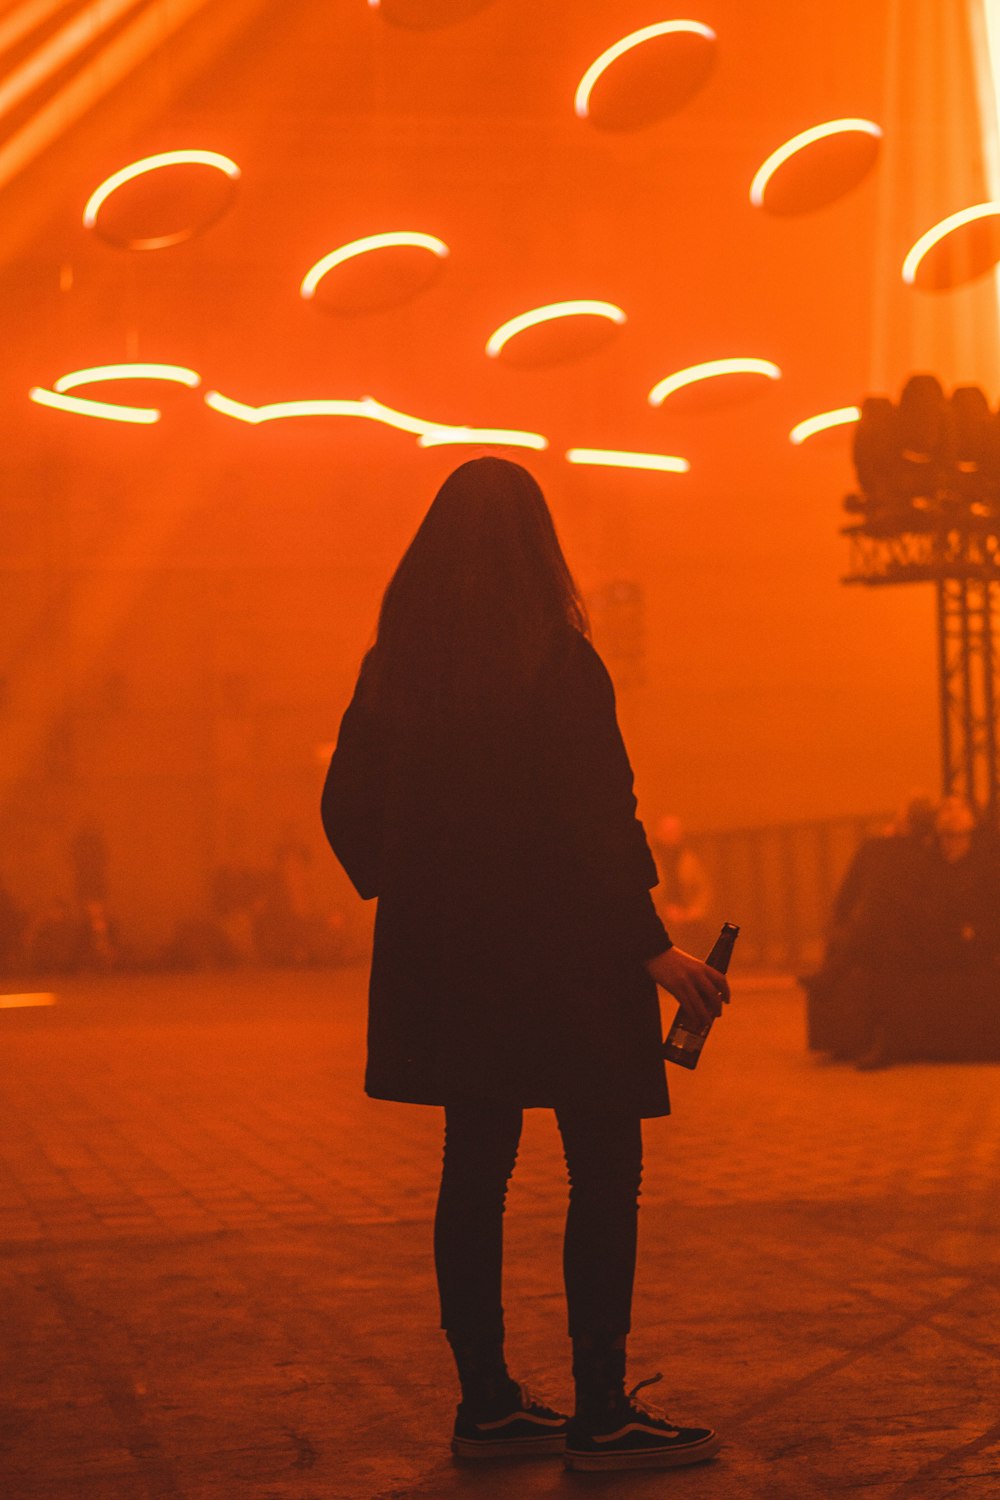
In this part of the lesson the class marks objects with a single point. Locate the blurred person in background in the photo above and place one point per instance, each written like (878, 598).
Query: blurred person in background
(480, 789)
(684, 896)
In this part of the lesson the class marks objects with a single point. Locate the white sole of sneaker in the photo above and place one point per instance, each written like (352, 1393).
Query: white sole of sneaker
(529, 1447)
(663, 1458)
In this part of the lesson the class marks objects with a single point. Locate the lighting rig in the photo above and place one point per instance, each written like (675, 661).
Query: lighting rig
(928, 511)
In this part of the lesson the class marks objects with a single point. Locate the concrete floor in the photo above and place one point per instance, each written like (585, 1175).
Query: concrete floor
(216, 1278)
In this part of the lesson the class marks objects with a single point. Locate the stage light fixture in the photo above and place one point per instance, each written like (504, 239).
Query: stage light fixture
(547, 314)
(611, 458)
(634, 39)
(177, 374)
(147, 164)
(799, 143)
(933, 236)
(80, 406)
(710, 370)
(823, 422)
(402, 239)
(486, 437)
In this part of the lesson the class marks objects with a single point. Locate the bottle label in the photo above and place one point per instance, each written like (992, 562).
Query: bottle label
(687, 1041)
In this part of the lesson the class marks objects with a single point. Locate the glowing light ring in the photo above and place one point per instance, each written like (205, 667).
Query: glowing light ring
(708, 371)
(500, 437)
(81, 407)
(276, 411)
(799, 143)
(927, 241)
(612, 459)
(546, 314)
(823, 422)
(175, 373)
(313, 277)
(635, 39)
(152, 164)
(400, 419)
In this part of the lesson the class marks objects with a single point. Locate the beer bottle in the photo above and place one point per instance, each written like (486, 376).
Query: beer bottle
(684, 1043)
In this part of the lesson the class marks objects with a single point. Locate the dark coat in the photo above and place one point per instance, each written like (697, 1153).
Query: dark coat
(514, 913)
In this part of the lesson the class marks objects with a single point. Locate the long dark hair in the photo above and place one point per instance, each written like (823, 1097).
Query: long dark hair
(481, 598)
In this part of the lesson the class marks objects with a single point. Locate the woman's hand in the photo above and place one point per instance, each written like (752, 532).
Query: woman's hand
(699, 990)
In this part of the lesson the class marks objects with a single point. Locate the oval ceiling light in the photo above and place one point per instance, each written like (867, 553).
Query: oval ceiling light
(425, 15)
(957, 250)
(659, 80)
(151, 217)
(487, 437)
(369, 282)
(177, 374)
(711, 369)
(824, 422)
(107, 411)
(277, 411)
(611, 458)
(790, 182)
(558, 339)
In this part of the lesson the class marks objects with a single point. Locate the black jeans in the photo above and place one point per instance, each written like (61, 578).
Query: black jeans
(604, 1157)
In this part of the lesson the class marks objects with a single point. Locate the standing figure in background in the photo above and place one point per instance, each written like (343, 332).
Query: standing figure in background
(684, 897)
(481, 790)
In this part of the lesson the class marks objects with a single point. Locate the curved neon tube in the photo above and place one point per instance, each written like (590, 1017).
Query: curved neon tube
(708, 371)
(821, 423)
(501, 437)
(546, 314)
(798, 143)
(315, 275)
(634, 39)
(400, 419)
(152, 164)
(275, 411)
(610, 458)
(927, 241)
(175, 373)
(143, 415)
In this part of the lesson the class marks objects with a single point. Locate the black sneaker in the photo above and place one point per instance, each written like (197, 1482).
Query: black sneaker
(529, 1427)
(636, 1436)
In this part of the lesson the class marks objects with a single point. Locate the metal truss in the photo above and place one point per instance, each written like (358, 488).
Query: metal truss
(964, 565)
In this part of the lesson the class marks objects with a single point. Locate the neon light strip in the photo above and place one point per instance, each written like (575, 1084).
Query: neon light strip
(152, 164)
(799, 143)
(381, 413)
(821, 423)
(54, 54)
(927, 241)
(277, 411)
(313, 277)
(84, 408)
(24, 20)
(500, 437)
(176, 373)
(99, 75)
(611, 459)
(12, 1002)
(546, 314)
(635, 39)
(708, 371)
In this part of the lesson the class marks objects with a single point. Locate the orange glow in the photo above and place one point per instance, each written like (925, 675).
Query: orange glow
(799, 143)
(152, 164)
(708, 371)
(81, 407)
(178, 374)
(24, 20)
(634, 39)
(16, 1002)
(546, 314)
(610, 458)
(404, 238)
(940, 231)
(57, 50)
(823, 422)
(500, 437)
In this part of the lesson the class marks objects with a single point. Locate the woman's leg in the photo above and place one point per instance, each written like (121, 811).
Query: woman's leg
(481, 1140)
(604, 1158)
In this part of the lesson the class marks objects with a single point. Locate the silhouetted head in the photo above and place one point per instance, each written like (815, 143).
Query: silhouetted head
(480, 598)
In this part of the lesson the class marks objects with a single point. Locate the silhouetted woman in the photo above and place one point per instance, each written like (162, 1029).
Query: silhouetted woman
(480, 789)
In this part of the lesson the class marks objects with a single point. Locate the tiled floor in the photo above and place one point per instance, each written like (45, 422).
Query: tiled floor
(216, 1280)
